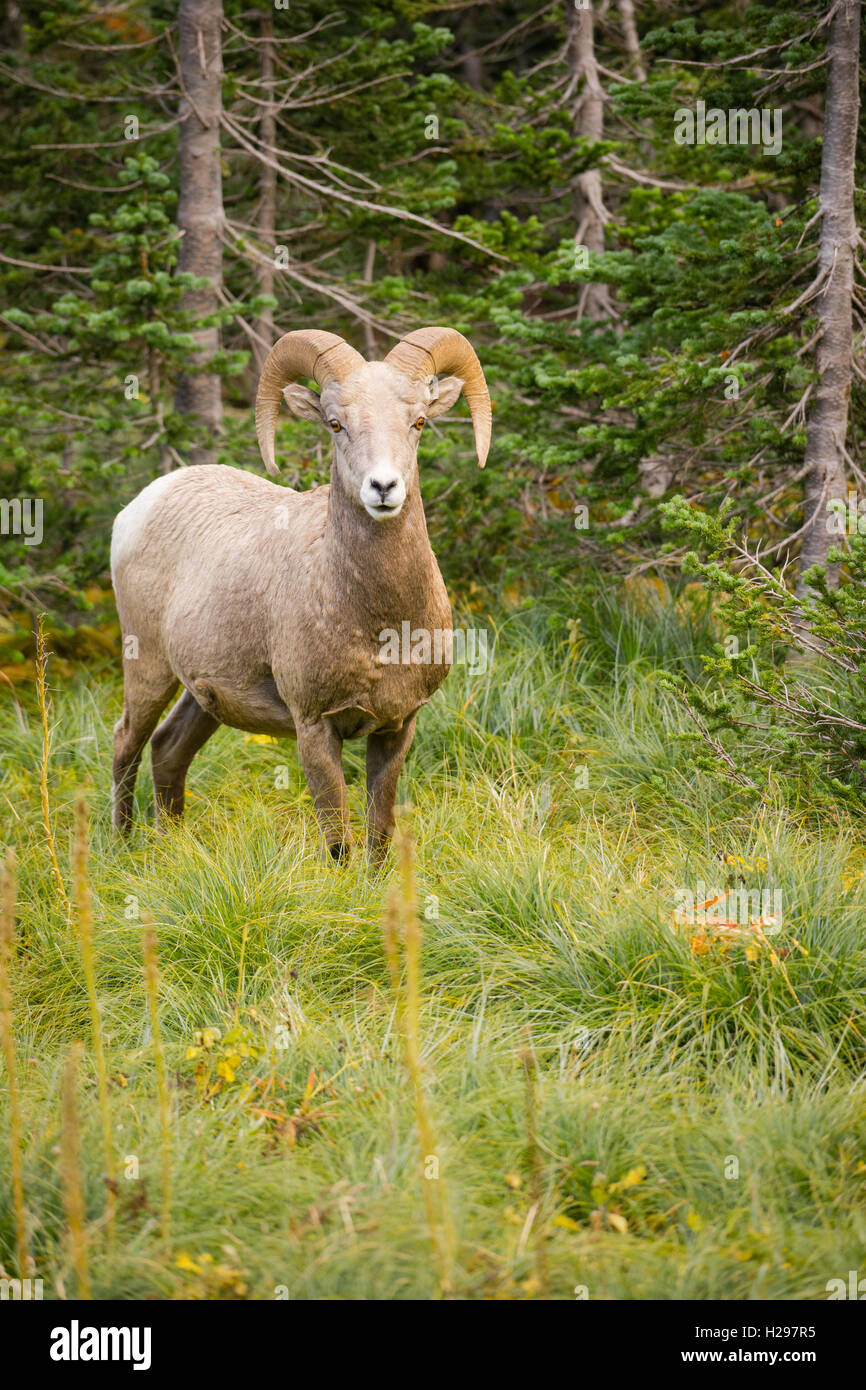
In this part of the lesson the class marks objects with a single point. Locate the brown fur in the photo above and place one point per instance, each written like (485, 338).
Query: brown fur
(267, 606)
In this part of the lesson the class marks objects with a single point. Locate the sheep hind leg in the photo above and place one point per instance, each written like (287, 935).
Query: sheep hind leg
(142, 706)
(173, 746)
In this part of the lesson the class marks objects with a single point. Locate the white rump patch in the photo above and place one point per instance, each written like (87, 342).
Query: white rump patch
(129, 523)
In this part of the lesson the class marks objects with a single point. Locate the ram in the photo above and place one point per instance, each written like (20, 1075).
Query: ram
(268, 605)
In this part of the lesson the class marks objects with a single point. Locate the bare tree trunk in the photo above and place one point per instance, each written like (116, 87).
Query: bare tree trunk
(632, 43)
(369, 331)
(200, 206)
(590, 212)
(827, 421)
(471, 65)
(154, 387)
(264, 325)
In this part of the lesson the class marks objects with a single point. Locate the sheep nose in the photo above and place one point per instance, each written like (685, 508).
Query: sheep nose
(383, 488)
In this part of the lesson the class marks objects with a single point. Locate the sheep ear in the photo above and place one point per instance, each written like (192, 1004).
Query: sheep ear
(303, 403)
(443, 393)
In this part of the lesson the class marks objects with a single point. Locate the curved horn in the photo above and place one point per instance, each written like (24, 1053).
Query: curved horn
(307, 352)
(434, 351)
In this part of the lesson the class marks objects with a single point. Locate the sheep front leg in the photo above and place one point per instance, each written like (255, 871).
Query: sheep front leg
(386, 754)
(320, 748)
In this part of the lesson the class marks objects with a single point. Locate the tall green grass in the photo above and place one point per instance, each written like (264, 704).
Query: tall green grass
(694, 1125)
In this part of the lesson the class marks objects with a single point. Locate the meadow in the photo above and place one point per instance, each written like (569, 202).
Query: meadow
(545, 1087)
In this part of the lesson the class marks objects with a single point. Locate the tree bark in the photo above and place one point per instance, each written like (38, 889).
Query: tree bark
(200, 206)
(827, 420)
(588, 113)
(154, 387)
(632, 43)
(367, 276)
(471, 65)
(267, 219)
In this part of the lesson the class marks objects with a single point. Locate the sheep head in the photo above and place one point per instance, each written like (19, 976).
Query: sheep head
(375, 411)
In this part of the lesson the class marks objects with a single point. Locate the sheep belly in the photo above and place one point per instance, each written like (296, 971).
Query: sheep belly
(257, 709)
(354, 720)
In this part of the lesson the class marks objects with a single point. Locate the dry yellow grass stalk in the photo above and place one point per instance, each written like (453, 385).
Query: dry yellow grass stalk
(41, 695)
(84, 914)
(401, 918)
(151, 985)
(536, 1190)
(70, 1167)
(7, 1039)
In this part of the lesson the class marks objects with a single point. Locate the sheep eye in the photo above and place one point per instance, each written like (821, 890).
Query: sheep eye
(419, 423)
(335, 426)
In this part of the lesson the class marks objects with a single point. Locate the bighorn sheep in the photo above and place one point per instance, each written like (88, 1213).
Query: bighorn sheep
(267, 605)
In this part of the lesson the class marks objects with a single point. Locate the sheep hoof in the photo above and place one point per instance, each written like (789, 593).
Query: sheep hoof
(377, 855)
